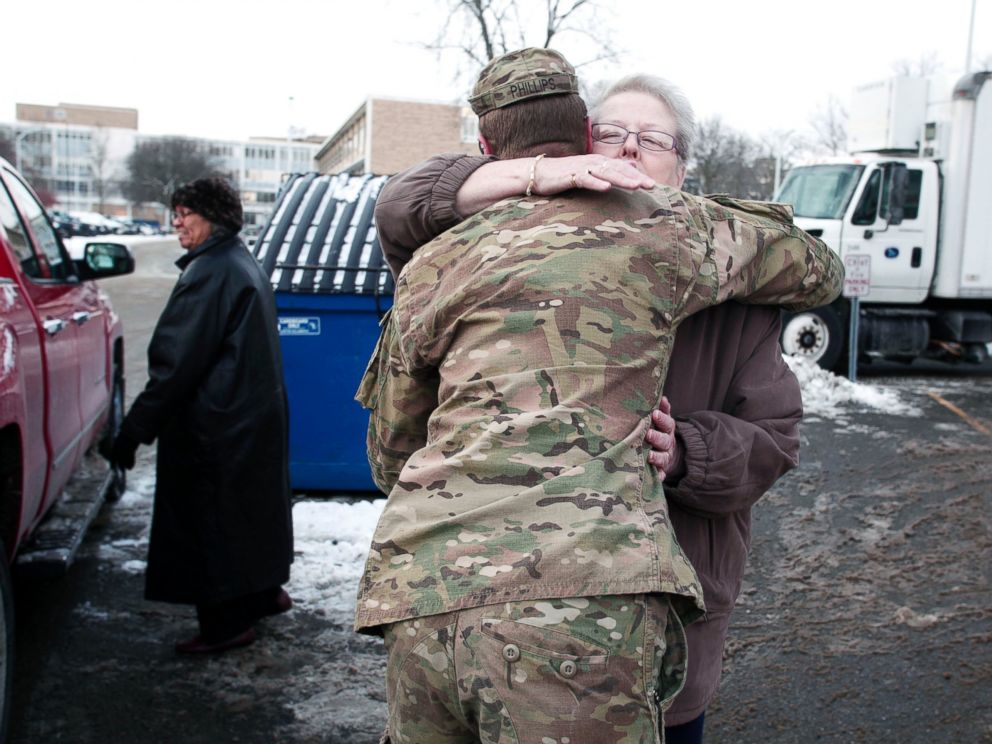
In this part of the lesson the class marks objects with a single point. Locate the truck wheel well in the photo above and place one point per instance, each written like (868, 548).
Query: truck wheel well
(10, 485)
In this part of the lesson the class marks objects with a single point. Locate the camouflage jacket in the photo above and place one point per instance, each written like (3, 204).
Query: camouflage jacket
(512, 384)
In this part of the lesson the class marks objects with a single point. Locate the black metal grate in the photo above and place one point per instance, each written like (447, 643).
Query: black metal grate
(321, 237)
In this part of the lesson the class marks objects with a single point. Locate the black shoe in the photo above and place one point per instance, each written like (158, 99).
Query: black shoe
(282, 603)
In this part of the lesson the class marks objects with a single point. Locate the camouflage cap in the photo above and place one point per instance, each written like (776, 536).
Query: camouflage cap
(517, 76)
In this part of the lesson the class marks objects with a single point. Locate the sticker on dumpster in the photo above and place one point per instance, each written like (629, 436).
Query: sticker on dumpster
(299, 326)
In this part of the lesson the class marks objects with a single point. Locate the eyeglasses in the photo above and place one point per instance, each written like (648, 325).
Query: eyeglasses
(611, 134)
(177, 215)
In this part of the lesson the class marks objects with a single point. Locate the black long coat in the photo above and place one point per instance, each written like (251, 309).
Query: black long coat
(222, 523)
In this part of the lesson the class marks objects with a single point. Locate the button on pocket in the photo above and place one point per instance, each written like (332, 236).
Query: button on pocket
(511, 652)
(568, 669)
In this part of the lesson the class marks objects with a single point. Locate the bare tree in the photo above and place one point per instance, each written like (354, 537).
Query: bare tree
(156, 167)
(727, 161)
(477, 31)
(927, 64)
(829, 124)
(776, 150)
(100, 165)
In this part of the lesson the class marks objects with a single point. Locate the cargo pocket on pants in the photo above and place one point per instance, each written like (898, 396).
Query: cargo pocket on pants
(541, 674)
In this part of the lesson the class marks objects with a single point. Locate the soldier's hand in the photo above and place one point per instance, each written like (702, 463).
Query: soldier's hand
(665, 455)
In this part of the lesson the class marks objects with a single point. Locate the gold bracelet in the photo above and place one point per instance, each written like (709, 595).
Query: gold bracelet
(533, 169)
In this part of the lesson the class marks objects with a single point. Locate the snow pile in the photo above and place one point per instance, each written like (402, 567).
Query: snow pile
(825, 393)
(332, 541)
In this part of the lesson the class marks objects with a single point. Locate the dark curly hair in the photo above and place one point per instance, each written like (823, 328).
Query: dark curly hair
(214, 199)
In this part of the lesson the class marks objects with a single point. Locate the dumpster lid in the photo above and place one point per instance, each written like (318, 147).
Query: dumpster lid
(321, 237)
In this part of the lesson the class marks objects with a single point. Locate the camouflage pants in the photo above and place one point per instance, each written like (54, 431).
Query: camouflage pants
(593, 670)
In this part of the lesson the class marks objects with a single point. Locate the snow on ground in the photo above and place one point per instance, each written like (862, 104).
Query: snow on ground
(332, 537)
(332, 541)
(831, 396)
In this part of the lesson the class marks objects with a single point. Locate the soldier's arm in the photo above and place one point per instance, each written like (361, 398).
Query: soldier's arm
(400, 403)
(762, 258)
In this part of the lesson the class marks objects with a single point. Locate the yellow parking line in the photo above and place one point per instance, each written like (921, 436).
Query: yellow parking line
(974, 423)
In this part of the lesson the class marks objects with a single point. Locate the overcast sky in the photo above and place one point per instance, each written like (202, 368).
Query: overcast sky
(229, 69)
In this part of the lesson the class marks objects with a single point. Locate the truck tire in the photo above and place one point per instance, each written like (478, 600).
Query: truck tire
(115, 418)
(6, 642)
(816, 335)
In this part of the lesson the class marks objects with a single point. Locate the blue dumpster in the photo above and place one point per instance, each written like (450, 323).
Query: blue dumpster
(332, 287)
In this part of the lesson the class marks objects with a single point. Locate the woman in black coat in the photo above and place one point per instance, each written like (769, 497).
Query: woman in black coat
(221, 535)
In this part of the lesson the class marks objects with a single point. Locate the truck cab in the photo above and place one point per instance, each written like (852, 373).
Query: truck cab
(911, 206)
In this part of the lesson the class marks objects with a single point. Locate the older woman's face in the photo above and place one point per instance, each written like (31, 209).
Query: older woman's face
(192, 228)
(641, 112)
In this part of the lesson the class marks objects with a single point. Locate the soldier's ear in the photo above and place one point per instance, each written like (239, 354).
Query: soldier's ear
(588, 135)
(484, 147)
(680, 175)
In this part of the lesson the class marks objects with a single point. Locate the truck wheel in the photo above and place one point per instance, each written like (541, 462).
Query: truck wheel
(114, 420)
(6, 642)
(816, 335)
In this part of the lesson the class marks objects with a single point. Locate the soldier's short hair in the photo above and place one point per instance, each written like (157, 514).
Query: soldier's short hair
(554, 125)
(673, 98)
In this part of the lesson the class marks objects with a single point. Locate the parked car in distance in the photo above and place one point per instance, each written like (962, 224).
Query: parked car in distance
(68, 226)
(61, 393)
(100, 224)
(154, 227)
(128, 226)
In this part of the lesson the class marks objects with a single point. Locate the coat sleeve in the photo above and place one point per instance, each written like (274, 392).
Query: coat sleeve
(417, 205)
(732, 457)
(400, 402)
(184, 346)
(756, 255)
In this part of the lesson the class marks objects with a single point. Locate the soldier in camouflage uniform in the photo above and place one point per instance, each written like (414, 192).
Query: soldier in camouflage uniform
(524, 571)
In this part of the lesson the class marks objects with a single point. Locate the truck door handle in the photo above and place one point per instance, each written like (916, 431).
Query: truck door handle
(917, 258)
(81, 317)
(53, 326)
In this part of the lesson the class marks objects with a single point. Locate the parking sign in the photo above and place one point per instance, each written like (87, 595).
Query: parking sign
(857, 275)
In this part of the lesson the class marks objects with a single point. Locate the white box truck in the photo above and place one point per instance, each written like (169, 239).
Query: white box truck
(914, 202)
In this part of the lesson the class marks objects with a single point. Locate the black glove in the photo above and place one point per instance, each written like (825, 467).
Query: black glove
(122, 454)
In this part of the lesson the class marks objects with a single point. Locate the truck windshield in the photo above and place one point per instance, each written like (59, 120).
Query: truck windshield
(820, 191)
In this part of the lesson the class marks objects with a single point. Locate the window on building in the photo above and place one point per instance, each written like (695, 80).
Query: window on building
(470, 126)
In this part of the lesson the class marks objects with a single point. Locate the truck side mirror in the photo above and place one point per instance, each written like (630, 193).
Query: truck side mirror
(893, 203)
(105, 259)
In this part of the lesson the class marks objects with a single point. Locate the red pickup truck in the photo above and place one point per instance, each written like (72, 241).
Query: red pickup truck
(61, 389)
